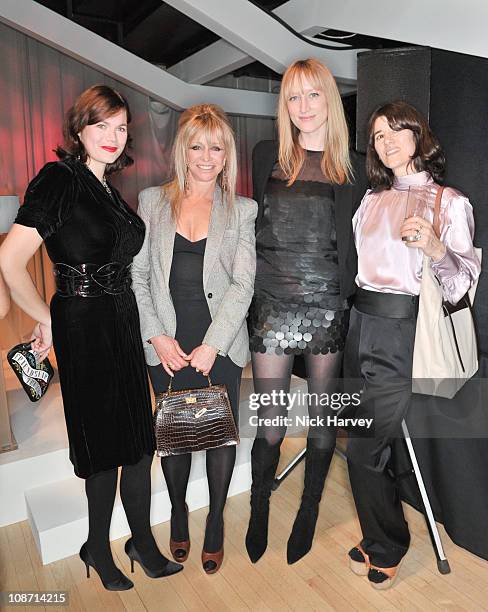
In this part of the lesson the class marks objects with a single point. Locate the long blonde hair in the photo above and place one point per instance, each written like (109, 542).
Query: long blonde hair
(336, 163)
(210, 122)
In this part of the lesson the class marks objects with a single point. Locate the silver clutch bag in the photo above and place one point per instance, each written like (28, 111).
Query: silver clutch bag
(193, 420)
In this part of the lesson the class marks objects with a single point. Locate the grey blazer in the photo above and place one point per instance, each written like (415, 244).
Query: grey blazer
(229, 267)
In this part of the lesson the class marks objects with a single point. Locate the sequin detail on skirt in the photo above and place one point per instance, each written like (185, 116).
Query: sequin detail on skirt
(302, 331)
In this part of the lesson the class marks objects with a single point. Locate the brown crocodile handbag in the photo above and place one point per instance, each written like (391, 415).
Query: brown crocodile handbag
(193, 420)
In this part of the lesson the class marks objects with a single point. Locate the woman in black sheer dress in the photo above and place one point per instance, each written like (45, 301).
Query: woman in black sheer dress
(305, 274)
(91, 236)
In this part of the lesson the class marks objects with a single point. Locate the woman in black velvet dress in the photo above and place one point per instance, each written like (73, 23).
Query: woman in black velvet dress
(305, 272)
(91, 236)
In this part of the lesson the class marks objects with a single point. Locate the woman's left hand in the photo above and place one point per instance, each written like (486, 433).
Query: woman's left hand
(202, 358)
(42, 340)
(426, 238)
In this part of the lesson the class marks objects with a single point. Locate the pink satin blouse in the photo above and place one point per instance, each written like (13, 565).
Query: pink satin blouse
(387, 265)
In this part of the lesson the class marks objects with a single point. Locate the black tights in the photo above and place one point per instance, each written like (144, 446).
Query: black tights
(135, 492)
(220, 464)
(273, 373)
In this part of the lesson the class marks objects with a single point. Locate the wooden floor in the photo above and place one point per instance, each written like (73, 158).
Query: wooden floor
(320, 581)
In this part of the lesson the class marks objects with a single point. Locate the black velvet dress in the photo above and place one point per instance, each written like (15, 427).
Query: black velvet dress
(96, 339)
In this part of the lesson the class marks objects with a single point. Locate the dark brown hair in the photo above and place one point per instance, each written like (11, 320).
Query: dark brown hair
(428, 153)
(93, 105)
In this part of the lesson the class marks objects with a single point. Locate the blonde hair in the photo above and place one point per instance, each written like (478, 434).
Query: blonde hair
(210, 122)
(335, 164)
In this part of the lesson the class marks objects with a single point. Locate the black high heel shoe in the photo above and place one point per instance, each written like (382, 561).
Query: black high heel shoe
(167, 570)
(121, 584)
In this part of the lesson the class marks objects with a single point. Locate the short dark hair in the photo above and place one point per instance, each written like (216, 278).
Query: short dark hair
(93, 105)
(428, 153)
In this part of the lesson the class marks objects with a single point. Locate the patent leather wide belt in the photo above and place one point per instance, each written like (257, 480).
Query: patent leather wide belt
(92, 280)
(389, 305)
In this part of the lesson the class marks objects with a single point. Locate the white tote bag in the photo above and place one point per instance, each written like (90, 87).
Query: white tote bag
(445, 353)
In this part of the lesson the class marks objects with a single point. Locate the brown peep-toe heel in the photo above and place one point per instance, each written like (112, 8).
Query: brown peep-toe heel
(180, 549)
(211, 562)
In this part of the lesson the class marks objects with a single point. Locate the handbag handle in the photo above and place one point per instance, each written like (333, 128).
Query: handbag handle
(437, 212)
(171, 383)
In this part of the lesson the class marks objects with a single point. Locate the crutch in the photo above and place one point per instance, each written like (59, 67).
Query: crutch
(293, 464)
(442, 562)
(288, 469)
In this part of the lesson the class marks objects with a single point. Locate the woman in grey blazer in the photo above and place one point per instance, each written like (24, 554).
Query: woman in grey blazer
(194, 280)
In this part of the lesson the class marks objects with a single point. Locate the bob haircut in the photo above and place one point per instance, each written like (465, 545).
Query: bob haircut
(210, 123)
(428, 154)
(93, 105)
(336, 163)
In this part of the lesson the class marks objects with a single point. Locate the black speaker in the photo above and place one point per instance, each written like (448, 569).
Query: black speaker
(391, 74)
(451, 89)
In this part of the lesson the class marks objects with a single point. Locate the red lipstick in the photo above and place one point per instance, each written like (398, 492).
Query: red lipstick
(110, 149)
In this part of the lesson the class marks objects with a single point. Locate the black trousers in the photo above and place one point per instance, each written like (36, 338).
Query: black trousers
(378, 356)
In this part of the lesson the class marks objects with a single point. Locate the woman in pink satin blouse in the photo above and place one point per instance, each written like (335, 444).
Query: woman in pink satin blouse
(403, 155)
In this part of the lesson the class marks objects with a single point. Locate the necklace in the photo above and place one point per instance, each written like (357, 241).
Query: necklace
(105, 184)
(103, 181)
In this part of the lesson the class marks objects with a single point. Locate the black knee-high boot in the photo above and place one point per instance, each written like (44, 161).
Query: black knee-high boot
(317, 464)
(264, 461)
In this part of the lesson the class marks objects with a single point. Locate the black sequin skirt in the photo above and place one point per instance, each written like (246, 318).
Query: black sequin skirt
(277, 329)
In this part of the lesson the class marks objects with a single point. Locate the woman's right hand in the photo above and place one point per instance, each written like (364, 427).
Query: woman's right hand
(170, 353)
(42, 340)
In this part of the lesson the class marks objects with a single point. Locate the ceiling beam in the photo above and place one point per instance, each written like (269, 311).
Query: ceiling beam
(451, 25)
(220, 58)
(75, 41)
(251, 34)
